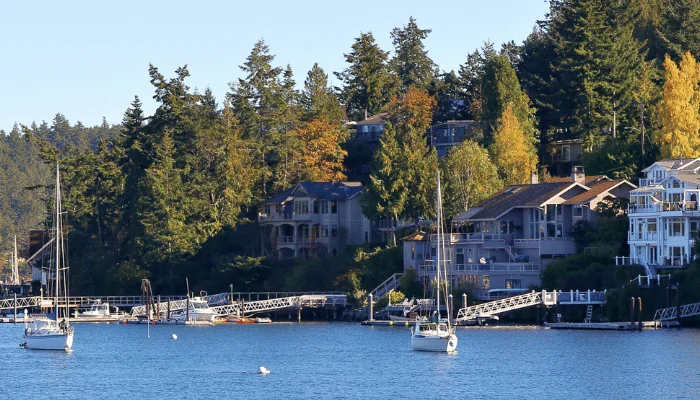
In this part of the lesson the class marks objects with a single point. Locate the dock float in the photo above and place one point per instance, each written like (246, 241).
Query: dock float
(610, 326)
(388, 323)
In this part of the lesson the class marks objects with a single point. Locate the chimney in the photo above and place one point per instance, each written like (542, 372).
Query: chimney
(578, 175)
(534, 179)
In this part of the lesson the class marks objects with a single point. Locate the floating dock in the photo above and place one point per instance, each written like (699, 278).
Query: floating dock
(376, 322)
(611, 326)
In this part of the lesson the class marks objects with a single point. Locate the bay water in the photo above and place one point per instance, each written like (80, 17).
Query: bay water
(338, 360)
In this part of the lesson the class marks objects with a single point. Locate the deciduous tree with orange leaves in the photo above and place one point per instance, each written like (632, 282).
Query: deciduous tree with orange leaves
(320, 155)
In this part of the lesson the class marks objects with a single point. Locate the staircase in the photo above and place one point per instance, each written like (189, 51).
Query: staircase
(385, 287)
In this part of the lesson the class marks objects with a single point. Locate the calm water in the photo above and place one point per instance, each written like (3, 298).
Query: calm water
(348, 361)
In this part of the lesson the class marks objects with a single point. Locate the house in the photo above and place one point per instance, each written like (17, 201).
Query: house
(562, 156)
(451, 133)
(663, 215)
(505, 241)
(313, 218)
(371, 129)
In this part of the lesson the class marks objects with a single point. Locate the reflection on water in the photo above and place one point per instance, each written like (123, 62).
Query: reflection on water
(346, 360)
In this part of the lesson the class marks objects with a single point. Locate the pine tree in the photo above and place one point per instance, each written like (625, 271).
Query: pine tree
(367, 84)
(411, 62)
(469, 177)
(318, 100)
(679, 30)
(680, 133)
(513, 150)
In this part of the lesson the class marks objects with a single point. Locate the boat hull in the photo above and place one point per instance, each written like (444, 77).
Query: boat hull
(57, 341)
(446, 343)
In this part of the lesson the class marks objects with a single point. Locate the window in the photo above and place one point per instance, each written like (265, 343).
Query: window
(325, 230)
(334, 230)
(460, 256)
(578, 211)
(694, 225)
(507, 227)
(278, 208)
(651, 226)
(513, 284)
(486, 282)
(676, 227)
(316, 207)
(268, 210)
(315, 231)
(301, 207)
(565, 153)
(334, 207)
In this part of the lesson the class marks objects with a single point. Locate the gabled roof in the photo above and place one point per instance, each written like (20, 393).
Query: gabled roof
(375, 119)
(321, 190)
(676, 163)
(685, 176)
(589, 180)
(597, 190)
(512, 197)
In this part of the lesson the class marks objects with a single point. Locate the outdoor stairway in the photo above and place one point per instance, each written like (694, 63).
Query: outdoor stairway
(392, 283)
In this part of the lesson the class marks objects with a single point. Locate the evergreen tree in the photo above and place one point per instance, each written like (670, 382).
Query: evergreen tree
(367, 84)
(318, 102)
(411, 62)
(502, 88)
(471, 74)
(386, 196)
(259, 103)
(513, 150)
(679, 30)
(680, 133)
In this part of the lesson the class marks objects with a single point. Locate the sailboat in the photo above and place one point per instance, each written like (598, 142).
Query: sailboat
(436, 335)
(46, 333)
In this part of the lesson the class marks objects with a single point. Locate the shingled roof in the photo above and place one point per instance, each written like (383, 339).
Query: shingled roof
(321, 190)
(511, 197)
(595, 191)
(590, 179)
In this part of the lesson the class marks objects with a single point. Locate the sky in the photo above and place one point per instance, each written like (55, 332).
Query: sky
(88, 59)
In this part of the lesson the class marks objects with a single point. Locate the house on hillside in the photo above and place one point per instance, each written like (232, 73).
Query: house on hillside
(371, 129)
(663, 215)
(313, 218)
(505, 241)
(451, 133)
(562, 156)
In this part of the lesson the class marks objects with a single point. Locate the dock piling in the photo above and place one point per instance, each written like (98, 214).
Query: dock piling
(371, 307)
(14, 306)
(639, 312)
(632, 313)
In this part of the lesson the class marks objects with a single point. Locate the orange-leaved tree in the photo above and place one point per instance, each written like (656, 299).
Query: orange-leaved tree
(513, 151)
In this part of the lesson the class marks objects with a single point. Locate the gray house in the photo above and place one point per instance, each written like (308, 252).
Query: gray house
(504, 242)
(313, 218)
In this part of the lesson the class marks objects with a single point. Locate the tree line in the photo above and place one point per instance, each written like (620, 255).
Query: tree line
(152, 196)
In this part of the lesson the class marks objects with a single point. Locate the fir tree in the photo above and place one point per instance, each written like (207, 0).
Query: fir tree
(318, 102)
(411, 62)
(367, 84)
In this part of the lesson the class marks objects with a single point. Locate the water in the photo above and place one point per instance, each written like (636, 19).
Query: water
(349, 361)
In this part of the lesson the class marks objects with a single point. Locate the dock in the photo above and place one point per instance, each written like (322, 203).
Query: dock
(611, 326)
(376, 322)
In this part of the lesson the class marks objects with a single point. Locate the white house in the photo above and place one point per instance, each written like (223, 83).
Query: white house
(664, 216)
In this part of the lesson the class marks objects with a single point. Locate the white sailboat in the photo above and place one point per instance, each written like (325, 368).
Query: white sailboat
(436, 335)
(49, 334)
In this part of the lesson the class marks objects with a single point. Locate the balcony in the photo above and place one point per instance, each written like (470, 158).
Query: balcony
(642, 236)
(648, 208)
(275, 217)
(475, 268)
(474, 237)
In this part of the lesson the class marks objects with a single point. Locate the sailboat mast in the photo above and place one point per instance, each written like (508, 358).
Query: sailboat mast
(15, 265)
(437, 257)
(58, 238)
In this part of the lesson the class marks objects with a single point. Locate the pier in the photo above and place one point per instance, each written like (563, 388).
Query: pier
(486, 310)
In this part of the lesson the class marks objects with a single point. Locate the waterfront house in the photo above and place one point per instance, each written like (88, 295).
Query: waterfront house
(371, 129)
(663, 216)
(506, 240)
(317, 218)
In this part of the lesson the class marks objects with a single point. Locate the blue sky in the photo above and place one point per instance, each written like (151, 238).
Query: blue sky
(87, 59)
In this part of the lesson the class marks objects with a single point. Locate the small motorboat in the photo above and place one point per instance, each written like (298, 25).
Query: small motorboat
(263, 320)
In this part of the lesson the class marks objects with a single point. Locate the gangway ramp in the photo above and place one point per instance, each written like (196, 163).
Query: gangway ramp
(671, 313)
(528, 300)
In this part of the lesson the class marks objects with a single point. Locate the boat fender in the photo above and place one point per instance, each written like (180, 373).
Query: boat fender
(173, 336)
(24, 345)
